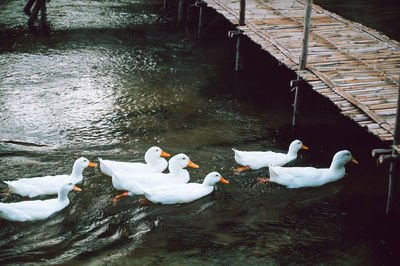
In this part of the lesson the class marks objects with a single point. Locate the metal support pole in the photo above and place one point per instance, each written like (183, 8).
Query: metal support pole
(200, 26)
(165, 4)
(180, 12)
(393, 186)
(238, 55)
(303, 58)
(242, 12)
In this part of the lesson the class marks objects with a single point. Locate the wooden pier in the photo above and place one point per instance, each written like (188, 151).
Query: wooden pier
(354, 66)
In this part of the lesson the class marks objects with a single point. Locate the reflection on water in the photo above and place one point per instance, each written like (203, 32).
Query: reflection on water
(112, 80)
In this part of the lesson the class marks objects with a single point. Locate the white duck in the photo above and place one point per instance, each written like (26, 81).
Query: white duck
(48, 185)
(297, 177)
(135, 183)
(183, 193)
(32, 210)
(259, 159)
(155, 163)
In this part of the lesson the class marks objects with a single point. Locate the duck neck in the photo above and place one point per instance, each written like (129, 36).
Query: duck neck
(292, 153)
(156, 162)
(335, 165)
(77, 173)
(179, 173)
(63, 195)
(176, 170)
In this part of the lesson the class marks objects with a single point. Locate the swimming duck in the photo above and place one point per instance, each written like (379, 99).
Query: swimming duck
(48, 185)
(155, 163)
(32, 210)
(297, 177)
(184, 193)
(135, 183)
(259, 159)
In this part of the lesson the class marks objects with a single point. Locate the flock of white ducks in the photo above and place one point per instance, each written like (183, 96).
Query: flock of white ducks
(149, 180)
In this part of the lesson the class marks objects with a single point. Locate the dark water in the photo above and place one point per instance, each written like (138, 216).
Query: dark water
(114, 78)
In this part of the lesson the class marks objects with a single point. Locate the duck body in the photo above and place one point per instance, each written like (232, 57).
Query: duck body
(259, 159)
(32, 210)
(48, 185)
(256, 160)
(135, 183)
(155, 163)
(297, 177)
(183, 193)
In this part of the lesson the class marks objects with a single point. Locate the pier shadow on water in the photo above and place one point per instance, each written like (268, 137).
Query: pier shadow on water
(114, 78)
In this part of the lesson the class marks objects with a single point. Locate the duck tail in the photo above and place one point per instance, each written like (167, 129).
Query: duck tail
(104, 167)
(271, 170)
(237, 152)
(10, 185)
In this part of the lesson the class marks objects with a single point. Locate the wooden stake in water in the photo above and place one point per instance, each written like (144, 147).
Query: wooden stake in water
(303, 57)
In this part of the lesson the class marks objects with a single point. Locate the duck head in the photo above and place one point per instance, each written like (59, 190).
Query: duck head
(65, 189)
(154, 154)
(80, 164)
(295, 146)
(214, 177)
(341, 158)
(180, 161)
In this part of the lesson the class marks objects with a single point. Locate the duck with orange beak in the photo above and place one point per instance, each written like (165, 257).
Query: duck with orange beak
(135, 183)
(154, 158)
(298, 177)
(258, 159)
(48, 185)
(184, 193)
(33, 210)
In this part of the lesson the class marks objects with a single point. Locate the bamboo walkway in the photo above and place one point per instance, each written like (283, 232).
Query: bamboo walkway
(356, 67)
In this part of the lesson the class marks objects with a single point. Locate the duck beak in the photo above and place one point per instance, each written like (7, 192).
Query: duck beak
(164, 154)
(77, 189)
(92, 164)
(304, 147)
(223, 180)
(191, 164)
(353, 160)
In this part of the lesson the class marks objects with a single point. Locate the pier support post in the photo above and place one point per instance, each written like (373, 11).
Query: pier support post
(393, 189)
(303, 59)
(180, 12)
(238, 56)
(238, 33)
(200, 4)
(392, 156)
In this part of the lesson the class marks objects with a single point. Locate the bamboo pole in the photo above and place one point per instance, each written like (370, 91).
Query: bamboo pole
(303, 58)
